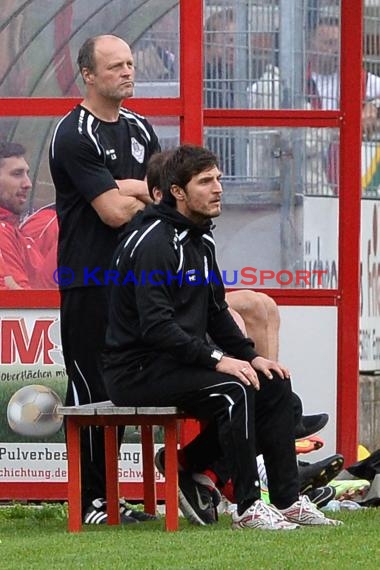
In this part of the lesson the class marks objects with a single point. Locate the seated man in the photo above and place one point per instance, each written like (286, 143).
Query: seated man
(255, 313)
(158, 353)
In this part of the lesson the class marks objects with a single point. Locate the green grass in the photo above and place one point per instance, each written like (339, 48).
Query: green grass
(32, 538)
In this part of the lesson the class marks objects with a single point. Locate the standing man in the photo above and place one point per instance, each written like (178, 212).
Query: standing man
(98, 157)
(168, 299)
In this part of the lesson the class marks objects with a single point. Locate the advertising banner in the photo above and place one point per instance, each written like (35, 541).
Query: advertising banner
(30, 353)
(321, 252)
(370, 287)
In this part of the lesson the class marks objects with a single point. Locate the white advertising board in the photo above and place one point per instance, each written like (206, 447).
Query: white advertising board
(30, 353)
(369, 339)
(47, 462)
(321, 251)
(308, 347)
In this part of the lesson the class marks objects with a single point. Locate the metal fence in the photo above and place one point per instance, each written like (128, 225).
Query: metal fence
(271, 54)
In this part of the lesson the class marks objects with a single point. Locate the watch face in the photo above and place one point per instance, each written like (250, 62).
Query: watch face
(217, 355)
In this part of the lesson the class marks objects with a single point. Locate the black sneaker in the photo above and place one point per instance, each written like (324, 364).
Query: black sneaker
(159, 460)
(319, 474)
(310, 425)
(97, 514)
(197, 502)
(321, 495)
(140, 516)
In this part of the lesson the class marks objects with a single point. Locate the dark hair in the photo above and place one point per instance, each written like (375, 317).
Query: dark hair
(8, 149)
(154, 170)
(86, 55)
(180, 167)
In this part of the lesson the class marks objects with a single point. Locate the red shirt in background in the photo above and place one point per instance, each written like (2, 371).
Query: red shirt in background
(23, 265)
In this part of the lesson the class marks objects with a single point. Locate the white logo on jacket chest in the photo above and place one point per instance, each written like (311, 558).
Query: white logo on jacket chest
(191, 275)
(112, 153)
(138, 151)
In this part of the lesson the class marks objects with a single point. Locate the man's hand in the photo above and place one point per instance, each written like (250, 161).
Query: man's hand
(240, 369)
(264, 365)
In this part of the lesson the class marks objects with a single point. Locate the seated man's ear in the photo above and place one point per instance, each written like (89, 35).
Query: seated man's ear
(178, 192)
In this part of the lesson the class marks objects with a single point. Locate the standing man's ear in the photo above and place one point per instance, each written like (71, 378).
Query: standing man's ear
(88, 76)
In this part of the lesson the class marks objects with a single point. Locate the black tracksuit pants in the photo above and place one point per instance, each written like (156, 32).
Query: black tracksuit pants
(242, 422)
(83, 325)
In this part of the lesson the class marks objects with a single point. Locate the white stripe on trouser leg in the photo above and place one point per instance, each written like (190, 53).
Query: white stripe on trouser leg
(219, 385)
(76, 399)
(229, 399)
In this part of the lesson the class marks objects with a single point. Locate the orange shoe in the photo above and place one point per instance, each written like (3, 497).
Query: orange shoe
(309, 444)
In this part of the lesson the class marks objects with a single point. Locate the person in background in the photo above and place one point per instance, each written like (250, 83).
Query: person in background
(42, 227)
(23, 266)
(321, 90)
(219, 85)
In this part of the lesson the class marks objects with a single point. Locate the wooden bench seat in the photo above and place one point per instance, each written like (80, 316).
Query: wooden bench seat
(109, 416)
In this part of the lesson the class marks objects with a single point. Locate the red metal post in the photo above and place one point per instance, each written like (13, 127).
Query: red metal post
(349, 229)
(191, 71)
(150, 497)
(112, 475)
(171, 474)
(73, 475)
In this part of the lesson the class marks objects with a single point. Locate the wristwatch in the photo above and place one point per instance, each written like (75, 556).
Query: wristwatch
(217, 355)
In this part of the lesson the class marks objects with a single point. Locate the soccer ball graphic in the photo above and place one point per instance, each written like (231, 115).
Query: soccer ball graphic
(32, 411)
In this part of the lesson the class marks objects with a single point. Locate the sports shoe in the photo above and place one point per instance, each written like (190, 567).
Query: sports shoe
(305, 513)
(319, 474)
(97, 514)
(141, 516)
(312, 443)
(321, 495)
(159, 460)
(263, 517)
(203, 479)
(197, 494)
(352, 489)
(196, 501)
(310, 425)
(367, 468)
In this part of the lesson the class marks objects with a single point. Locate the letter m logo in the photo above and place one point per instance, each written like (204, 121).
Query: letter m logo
(15, 341)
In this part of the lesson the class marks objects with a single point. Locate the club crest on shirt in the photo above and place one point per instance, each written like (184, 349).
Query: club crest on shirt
(138, 151)
(112, 153)
(191, 275)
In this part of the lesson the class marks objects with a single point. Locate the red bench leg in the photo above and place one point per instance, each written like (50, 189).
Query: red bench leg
(171, 475)
(112, 474)
(150, 497)
(73, 475)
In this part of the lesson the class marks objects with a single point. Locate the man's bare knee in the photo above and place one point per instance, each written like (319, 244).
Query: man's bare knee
(238, 320)
(249, 305)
